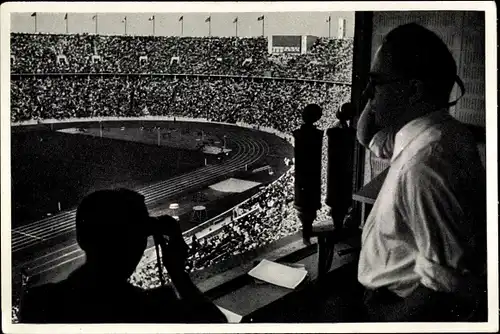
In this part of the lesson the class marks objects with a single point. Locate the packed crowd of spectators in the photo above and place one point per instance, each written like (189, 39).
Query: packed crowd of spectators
(328, 59)
(265, 102)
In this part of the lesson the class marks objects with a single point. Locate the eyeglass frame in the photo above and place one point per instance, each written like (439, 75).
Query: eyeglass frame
(369, 91)
(374, 81)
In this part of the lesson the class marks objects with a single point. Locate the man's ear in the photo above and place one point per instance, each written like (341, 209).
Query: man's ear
(416, 91)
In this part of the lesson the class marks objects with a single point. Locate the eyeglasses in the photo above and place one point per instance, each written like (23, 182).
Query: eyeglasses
(378, 80)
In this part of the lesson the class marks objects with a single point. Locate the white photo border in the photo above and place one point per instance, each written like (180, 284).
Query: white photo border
(214, 7)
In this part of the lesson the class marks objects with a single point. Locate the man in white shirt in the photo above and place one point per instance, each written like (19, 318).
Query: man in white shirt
(423, 255)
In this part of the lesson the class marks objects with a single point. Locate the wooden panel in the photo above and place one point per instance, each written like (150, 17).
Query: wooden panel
(374, 166)
(471, 68)
(368, 194)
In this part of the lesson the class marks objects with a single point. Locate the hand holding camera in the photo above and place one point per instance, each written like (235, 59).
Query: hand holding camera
(168, 235)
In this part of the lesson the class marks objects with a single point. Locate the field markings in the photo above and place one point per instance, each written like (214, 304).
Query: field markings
(28, 235)
(46, 255)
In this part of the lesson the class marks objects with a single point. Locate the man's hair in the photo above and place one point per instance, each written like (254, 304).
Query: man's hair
(107, 215)
(418, 53)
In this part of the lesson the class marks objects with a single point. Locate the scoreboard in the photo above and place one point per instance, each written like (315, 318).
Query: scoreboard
(290, 44)
(286, 44)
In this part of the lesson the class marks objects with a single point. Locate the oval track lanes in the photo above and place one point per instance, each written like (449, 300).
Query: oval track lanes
(248, 150)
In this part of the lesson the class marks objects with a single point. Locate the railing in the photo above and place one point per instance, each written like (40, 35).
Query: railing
(179, 75)
(235, 219)
(228, 213)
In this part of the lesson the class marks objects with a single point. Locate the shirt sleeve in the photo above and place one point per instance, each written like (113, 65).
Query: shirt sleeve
(434, 216)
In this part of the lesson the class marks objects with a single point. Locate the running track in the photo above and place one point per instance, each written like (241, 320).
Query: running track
(247, 149)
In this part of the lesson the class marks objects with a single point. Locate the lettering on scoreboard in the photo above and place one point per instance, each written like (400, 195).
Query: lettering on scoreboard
(286, 49)
(286, 44)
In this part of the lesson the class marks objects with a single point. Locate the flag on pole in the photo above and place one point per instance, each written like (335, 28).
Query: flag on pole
(235, 19)
(66, 20)
(94, 18)
(261, 18)
(34, 15)
(208, 19)
(125, 24)
(329, 19)
(152, 19)
(181, 20)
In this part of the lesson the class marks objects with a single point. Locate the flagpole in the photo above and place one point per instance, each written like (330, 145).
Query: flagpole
(154, 19)
(125, 26)
(182, 27)
(96, 23)
(35, 22)
(329, 27)
(236, 27)
(66, 23)
(210, 27)
(263, 24)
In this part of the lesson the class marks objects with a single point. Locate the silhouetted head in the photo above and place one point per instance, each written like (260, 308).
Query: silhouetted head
(111, 227)
(414, 52)
(345, 112)
(311, 113)
(412, 74)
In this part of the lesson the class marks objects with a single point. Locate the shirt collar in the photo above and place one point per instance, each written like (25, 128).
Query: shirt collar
(415, 127)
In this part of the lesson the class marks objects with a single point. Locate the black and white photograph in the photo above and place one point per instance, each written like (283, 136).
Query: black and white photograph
(249, 167)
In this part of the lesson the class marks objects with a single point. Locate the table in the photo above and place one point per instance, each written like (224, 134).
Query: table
(199, 214)
(262, 302)
(368, 194)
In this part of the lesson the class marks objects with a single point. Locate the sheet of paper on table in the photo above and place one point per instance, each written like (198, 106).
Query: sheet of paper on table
(278, 274)
(232, 317)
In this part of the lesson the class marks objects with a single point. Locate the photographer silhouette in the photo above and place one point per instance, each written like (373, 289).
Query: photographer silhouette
(112, 228)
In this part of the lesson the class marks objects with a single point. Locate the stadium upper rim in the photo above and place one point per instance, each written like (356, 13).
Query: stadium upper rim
(166, 36)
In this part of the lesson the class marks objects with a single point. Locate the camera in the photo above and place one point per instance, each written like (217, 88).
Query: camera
(166, 230)
(162, 226)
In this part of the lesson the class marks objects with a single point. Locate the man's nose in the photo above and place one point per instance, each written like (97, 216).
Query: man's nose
(367, 93)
